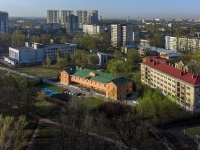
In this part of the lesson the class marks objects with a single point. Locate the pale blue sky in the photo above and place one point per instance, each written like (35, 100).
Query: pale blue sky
(107, 8)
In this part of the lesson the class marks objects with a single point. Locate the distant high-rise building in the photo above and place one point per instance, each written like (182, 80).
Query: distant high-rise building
(121, 35)
(64, 14)
(52, 16)
(127, 34)
(3, 21)
(72, 23)
(116, 35)
(87, 16)
(93, 29)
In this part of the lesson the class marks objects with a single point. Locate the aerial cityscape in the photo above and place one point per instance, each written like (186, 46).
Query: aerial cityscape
(94, 75)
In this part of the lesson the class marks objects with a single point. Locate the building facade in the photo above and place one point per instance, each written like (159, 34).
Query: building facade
(35, 52)
(183, 87)
(182, 43)
(114, 87)
(4, 21)
(103, 58)
(64, 15)
(92, 29)
(116, 35)
(53, 16)
(127, 34)
(87, 16)
(72, 23)
(121, 35)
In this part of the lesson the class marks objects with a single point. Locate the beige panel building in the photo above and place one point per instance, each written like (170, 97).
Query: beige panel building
(182, 86)
(64, 15)
(121, 35)
(52, 16)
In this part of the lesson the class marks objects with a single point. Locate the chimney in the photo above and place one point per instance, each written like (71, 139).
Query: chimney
(181, 73)
(193, 76)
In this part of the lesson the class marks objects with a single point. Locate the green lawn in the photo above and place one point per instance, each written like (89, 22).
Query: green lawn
(93, 102)
(44, 140)
(2, 73)
(193, 133)
(47, 109)
(40, 71)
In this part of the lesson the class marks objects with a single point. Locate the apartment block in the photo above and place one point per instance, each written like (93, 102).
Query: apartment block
(127, 34)
(114, 87)
(53, 16)
(87, 16)
(182, 43)
(64, 15)
(116, 35)
(72, 23)
(3, 21)
(121, 35)
(93, 29)
(183, 87)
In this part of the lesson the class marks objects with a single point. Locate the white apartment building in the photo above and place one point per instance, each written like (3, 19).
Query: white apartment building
(116, 35)
(35, 52)
(92, 29)
(3, 21)
(183, 87)
(87, 16)
(53, 16)
(182, 44)
(65, 14)
(121, 35)
(127, 35)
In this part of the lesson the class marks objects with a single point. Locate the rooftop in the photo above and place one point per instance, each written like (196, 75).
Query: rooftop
(22, 48)
(178, 73)
(97, 76)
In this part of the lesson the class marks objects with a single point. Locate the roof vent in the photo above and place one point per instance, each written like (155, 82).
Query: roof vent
(92, 74)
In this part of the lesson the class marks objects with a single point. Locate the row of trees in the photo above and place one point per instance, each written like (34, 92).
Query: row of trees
(101, 41)
(78, 58)
(124, 126)
(16, 95)
(122, 67)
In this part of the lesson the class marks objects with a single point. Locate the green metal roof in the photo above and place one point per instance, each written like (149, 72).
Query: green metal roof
(101, 77)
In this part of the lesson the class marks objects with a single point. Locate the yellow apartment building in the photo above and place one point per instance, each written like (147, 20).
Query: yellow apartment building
(182, 86)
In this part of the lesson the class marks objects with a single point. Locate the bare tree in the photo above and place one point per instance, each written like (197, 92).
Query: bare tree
(129, 128)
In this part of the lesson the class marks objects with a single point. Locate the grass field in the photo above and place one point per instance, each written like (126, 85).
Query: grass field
(40, 71)
(44, 140)
(193, 133)
(2, 73)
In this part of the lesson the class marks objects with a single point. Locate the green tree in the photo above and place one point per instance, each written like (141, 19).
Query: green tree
(11, 133)
(118, 67)
(18, 38)
(133, 59)
(92, 61)
(157, 40)
(118, 54)
(79, 58)
(47, 61)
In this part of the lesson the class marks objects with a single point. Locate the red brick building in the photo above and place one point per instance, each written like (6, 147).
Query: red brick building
(114, 87)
